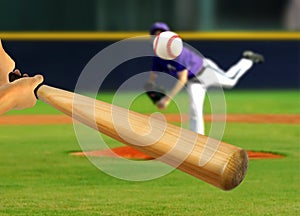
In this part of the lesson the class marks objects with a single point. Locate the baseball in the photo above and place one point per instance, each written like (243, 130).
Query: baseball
(167, 45)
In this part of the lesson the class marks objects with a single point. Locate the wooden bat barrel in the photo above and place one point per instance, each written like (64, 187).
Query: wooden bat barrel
(217, 163)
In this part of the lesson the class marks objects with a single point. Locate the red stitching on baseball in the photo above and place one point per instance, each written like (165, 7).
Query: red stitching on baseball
(170, 41)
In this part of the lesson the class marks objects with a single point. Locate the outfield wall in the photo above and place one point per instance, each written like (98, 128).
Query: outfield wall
(61, 57)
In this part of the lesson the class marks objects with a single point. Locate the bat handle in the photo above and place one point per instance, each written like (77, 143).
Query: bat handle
(12, 77)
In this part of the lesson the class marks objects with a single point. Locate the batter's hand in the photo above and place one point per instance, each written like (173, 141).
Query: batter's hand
(22, 90)
(163, 103)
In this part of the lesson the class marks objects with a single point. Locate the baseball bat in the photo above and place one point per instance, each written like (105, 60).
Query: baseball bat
(223, 166)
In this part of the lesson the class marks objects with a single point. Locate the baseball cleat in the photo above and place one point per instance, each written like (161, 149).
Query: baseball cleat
(255, 57)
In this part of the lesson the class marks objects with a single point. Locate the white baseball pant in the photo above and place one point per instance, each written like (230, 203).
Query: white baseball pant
(211, 75)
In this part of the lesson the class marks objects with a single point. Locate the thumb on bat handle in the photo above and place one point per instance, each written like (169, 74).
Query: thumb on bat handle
(13, 76)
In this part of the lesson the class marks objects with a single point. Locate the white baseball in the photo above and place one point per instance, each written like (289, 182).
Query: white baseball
(167, 45)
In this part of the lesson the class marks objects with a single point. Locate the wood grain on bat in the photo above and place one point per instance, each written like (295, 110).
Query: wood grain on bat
(225, 168)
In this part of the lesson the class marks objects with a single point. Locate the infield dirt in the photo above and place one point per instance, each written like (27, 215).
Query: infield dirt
(131, 153)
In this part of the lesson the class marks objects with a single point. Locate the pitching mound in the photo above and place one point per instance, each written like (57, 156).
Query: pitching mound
(131, 153)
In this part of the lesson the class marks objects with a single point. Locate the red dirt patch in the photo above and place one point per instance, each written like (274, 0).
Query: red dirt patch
(125, 152)
(34, 119)
(261, 118)
(263, 155)
(243, 118)
(128, 152)
(131, 153)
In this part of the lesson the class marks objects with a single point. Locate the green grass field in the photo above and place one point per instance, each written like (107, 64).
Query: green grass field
(39, 177)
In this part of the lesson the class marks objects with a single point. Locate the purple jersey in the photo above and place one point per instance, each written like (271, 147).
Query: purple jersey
(186, 60)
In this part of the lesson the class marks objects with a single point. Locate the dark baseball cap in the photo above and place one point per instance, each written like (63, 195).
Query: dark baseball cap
(159, 26)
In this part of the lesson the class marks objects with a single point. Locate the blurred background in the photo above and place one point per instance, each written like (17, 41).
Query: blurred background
(137, 15)
(274, 27)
